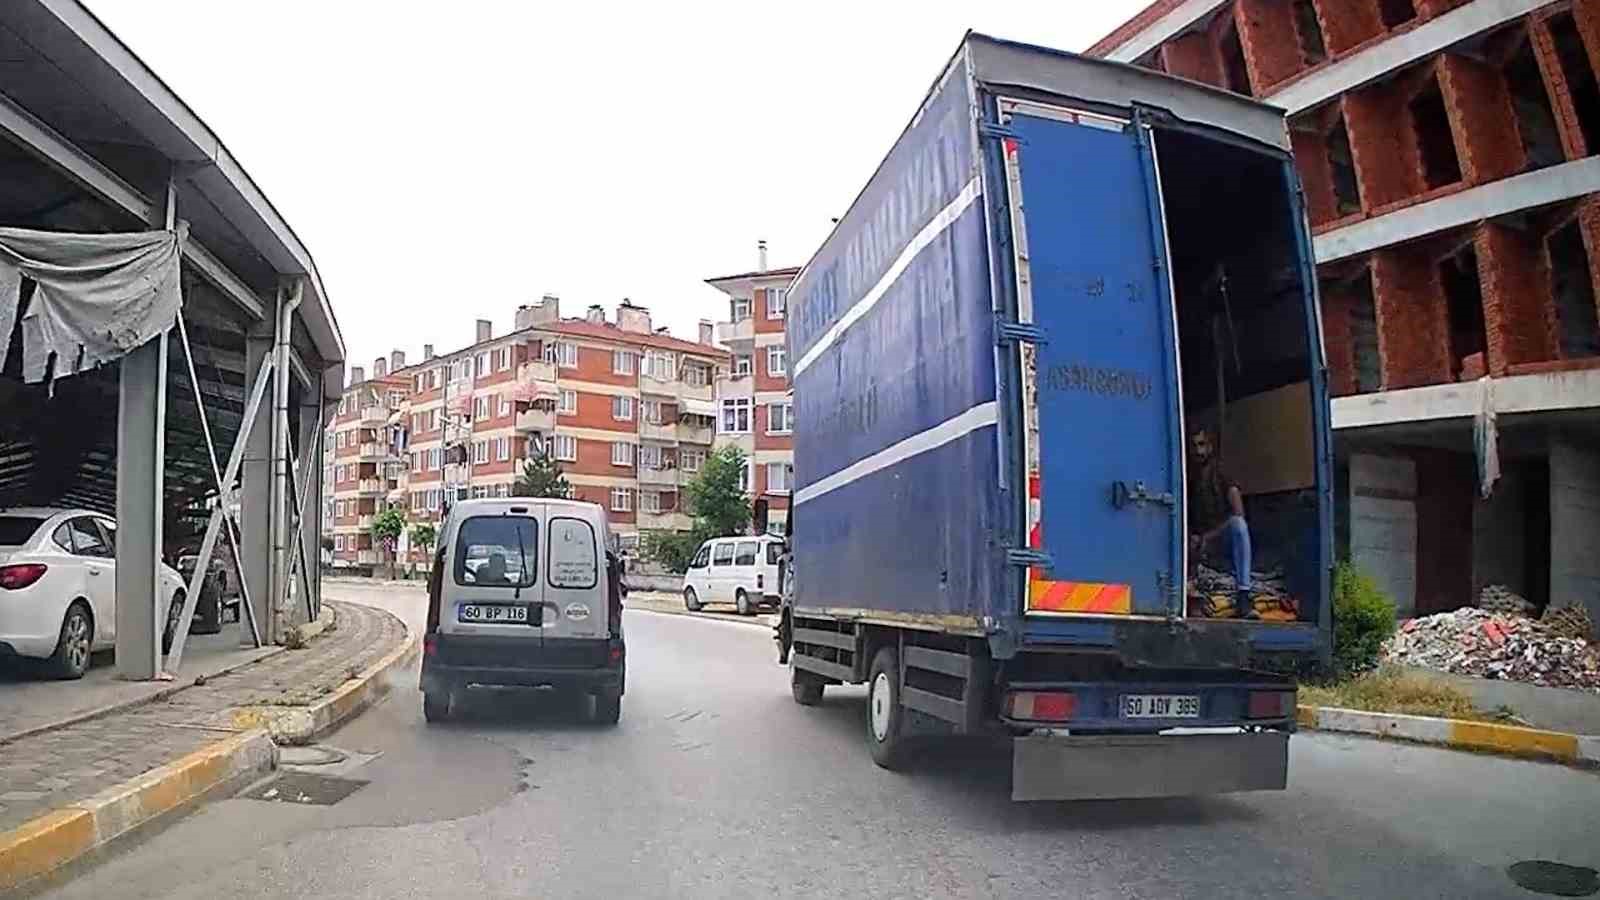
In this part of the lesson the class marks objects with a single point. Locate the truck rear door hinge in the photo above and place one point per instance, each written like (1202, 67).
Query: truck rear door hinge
(1028, 557)
(998, 132)
(1007, 331)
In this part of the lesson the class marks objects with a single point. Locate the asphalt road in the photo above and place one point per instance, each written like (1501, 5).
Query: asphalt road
(717, 785)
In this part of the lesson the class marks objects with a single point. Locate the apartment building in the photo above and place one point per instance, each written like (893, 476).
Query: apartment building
(1448, 154)
(625, 408)
(360, 459)
(755, 409)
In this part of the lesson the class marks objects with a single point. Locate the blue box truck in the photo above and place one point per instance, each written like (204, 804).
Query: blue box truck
(1064, 270)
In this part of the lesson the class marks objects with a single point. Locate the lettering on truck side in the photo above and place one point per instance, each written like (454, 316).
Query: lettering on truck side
(1101, 380)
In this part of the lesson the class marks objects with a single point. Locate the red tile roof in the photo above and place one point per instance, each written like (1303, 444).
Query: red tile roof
(610, 332)
(769, 273)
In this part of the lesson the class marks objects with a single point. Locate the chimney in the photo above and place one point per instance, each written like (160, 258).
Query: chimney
(397, 361)
(427, 352)
(485, 331)
(761, 256)
(547, 310)
(379, 367)
(597, 314)
(357, 375)
(706, 331)
(633, 318)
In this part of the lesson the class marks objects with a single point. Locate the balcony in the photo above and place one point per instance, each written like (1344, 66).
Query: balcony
(372, 449)
(366, 557)
(373, 416)
(659, 431)
(370, 486)
(658, 477)
(536, 378)
(742, 330)
(671, 520)
(695, 434)
(535, 419)
(730, 385)
(364, 522)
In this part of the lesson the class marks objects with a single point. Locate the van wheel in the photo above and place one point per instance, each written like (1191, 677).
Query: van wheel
(885, 718)
(741, 602)
(806, 687)
(435, 706)
(608, 707)
(691, 601)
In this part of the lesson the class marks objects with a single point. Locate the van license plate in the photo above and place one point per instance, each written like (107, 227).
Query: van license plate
(488, 613)
(1161, 706)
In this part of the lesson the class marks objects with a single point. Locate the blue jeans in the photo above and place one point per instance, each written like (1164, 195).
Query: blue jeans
(1236, 539)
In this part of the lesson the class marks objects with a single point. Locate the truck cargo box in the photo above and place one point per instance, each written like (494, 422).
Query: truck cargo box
(1063, 269)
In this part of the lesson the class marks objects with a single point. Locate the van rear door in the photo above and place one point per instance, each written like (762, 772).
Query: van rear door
(1102, 415)
(493, 588)
(575, 577)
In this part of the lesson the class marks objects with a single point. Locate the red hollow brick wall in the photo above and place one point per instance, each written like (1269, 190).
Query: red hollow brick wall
(1519, 317)
(1413, 325)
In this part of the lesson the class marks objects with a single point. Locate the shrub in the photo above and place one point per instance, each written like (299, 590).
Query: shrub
(672, 549)
(1363, 618)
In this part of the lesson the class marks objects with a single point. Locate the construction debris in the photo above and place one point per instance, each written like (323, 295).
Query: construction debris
(1501, 599)
(1570, 622)
(1500, 646)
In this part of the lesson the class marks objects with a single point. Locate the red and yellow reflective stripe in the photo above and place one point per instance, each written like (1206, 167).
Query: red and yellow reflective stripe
(1079, 597)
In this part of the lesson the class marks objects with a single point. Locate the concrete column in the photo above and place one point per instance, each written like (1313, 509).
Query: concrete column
(255, 496)
(141, 458)
(1574, 524)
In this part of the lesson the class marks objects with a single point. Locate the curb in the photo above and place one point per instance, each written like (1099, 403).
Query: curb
(300, 724)
(60, 836)
(758, 621)
(1459, 734)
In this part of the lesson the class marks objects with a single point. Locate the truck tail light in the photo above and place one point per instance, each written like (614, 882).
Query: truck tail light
(17, 577)
(1041, 706)
(1270, 705)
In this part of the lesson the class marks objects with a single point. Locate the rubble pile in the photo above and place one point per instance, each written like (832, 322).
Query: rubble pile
(1570, 622)
(1501, 646)
(1499, 598)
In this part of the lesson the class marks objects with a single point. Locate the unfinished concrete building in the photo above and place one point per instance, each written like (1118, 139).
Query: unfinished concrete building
(1448, 154)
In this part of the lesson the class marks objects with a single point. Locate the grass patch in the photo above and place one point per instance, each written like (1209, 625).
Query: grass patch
(1391, 691)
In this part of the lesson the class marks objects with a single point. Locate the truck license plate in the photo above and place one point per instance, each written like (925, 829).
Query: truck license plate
(488, 613)
(1161, 706)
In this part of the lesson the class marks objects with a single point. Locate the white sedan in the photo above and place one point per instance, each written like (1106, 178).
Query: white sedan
(58, 587)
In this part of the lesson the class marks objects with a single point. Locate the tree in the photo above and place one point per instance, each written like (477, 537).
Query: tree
(386, 530)
(541, 477)
(719, 503)
(423, 536)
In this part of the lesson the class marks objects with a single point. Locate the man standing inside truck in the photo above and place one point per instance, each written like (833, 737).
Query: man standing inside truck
(1216, 505)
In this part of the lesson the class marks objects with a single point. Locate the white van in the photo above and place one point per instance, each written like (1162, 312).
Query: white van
(524, 593)
(738, 570)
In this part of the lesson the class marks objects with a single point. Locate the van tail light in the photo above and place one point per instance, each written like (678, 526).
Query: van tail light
(17, 577)
(616, 652)
(430, 645)
(1270, 705)
(1041, 706)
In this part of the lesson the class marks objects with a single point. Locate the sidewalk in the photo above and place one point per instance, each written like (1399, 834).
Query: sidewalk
(50, 775)
(672, 603)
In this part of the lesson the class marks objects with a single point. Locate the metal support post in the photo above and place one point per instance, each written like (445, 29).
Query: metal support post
(255, 501)
(289, 295)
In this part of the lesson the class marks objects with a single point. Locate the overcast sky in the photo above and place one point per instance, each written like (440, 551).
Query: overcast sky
(446, 161)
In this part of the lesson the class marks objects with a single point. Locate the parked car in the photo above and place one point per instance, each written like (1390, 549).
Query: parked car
(524, 593)
(738, 570)
(58, 588)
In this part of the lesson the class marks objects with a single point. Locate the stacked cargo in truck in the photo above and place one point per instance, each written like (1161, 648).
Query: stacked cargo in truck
(1064, 270)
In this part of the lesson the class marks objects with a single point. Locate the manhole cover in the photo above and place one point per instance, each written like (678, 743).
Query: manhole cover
(1554, 878)
(305, 788)
(310, 756)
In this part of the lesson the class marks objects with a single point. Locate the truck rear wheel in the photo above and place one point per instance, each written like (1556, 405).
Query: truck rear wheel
(806, 687)
(885, 718)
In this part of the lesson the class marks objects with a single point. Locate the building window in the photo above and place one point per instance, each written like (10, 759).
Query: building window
(650, 411)
(480, 451)
(741, 366)
(621, 362)
(395, 399)
(736, 415)
(483, 363)
(780, 418)
(696, 374)
(502, 450)
(650, 501)
(505, 405)
(621, 453)
(777, 302)
(568, 405)
(422, 382)
(339, 440)
(622, 409)
(780, 478)
(343, 405)
(479, 491)
(565, 447)
(741, 308)
(649, 456)
(745, 478)
(438, 419)
(436, 377)
(480, 408)
(776, 360)
(562, 354)
(691, 460)
(658, 365)
(621, 500)
(435, 458)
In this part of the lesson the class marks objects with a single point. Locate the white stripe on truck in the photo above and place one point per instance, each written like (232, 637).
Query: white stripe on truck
(980, 416)
(926, 236)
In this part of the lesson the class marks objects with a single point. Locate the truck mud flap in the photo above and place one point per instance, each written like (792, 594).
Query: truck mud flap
(1106, 767)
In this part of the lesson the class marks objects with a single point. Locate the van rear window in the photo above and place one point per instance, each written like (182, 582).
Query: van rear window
(774, 553)
(497, 551)
(573, 560)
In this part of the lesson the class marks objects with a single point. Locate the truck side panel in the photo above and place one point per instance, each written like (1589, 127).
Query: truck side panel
(891, 342)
